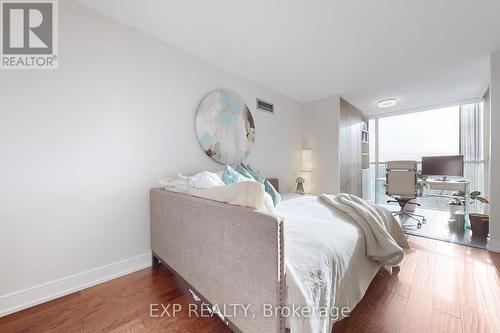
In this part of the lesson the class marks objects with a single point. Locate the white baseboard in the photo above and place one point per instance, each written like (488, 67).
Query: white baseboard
(26, 298)
(493, 245)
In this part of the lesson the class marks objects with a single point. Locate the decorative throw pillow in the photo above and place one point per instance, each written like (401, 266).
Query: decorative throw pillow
(231, 176)
(255, 174)
(240, 168)
(269, 188)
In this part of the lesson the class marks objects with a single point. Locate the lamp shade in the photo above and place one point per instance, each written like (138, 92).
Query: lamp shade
(306, 160)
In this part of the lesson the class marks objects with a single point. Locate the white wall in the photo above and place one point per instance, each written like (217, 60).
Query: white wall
(321, 134)
(494, 242)
(80, 146)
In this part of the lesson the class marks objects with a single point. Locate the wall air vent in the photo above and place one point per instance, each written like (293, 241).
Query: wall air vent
(265, 106)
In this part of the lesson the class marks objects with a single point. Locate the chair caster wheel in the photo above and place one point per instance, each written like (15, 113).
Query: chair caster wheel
(419, 225)
(424, 221)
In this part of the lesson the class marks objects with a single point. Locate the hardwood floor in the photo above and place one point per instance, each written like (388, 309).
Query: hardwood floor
(120, 305)
(439, 287)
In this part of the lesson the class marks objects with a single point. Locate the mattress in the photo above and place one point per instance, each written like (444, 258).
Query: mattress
(327, 270)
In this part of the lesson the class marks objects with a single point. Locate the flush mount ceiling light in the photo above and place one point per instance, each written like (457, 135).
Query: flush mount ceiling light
(387, 103)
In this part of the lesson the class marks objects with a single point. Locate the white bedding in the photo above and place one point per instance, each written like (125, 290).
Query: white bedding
(325, 259)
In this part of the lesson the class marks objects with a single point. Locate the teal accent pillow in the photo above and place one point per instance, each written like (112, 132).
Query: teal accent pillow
(269, 188)
(231, 176)
(255, 174)
(240, 168)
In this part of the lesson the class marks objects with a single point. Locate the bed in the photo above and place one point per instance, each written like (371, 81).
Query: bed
(308, 254)
(321, 239)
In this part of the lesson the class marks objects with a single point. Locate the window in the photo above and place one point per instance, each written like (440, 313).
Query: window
(413, 135)
(428, 133)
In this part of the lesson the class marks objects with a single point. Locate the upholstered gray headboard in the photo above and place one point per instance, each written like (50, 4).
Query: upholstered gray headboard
(229, 254)
(275, 182)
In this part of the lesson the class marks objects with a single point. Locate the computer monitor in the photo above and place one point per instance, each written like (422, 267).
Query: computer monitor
(452, 165)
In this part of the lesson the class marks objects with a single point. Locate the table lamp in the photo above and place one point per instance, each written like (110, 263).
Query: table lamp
(304, 180)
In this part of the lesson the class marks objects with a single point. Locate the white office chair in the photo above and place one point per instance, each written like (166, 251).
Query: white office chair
(401, 182)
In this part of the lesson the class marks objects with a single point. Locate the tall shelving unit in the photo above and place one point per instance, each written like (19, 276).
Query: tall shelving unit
(365, 159)
(365, 145)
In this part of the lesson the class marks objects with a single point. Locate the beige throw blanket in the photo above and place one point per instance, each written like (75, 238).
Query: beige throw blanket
(384, 236)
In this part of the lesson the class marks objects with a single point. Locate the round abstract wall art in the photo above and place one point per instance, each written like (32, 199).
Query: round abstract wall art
(225, 127)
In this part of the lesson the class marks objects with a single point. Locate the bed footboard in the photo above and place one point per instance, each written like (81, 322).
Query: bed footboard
(233, 256)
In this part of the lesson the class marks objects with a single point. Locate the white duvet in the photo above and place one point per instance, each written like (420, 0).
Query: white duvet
(326, 264)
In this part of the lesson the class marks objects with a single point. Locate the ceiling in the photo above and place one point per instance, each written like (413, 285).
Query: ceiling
(423, 52)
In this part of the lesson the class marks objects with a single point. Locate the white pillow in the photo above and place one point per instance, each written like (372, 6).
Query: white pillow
(178, 183)
(268, 204)
(247, 194)
(205, 179)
